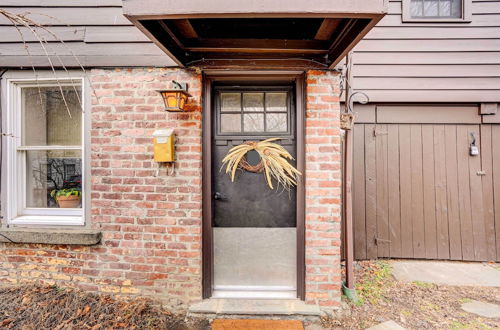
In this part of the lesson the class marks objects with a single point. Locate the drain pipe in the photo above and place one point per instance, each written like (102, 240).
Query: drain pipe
(347, 124)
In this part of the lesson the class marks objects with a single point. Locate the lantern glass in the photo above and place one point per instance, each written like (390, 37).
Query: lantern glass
(175, 100)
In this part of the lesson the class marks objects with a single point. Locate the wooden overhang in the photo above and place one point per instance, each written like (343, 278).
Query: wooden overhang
(256, 33)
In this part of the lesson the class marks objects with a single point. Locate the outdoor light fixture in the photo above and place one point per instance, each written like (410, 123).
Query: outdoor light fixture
(175, 99)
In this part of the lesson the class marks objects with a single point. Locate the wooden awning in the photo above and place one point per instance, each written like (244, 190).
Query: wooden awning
(283, 33)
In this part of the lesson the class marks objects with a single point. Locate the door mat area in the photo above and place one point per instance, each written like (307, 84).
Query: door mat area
(257, 325)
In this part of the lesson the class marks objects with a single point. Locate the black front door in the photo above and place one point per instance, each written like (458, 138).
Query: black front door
(254, 225)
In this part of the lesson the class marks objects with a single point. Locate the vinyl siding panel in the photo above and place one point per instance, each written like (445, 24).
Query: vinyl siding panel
(420, 62)
(94, 31)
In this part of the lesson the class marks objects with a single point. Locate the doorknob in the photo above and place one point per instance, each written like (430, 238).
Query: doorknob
(218, 196)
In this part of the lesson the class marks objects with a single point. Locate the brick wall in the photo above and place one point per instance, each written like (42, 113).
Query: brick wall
(323, 189)
(151, 221)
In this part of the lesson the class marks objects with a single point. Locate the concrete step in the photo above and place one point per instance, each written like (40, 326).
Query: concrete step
(255, 307)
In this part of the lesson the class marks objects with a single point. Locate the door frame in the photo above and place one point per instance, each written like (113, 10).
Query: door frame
(208, 79)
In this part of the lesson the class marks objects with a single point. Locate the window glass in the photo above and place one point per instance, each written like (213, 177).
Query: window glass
(276, 122)
(436, 8)
(230, 102)
(51, 123)
(253, 102)
(253, 122)
(51, 117)
(230, 123)
(51, 170)
(254, 112)
(276, 102)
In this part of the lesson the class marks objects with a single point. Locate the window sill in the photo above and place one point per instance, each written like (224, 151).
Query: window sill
(49, 220)
(50, 236)
(436, 20)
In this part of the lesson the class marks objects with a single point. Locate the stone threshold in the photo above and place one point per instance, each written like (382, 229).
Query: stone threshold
(255, 307)
(50, 236)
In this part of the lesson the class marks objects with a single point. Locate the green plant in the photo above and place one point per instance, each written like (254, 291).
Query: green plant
(65, 192)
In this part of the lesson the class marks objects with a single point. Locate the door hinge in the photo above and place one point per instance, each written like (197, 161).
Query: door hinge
(481, 173)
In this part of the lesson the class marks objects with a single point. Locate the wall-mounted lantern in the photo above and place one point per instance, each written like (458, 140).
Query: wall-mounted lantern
(175, 99)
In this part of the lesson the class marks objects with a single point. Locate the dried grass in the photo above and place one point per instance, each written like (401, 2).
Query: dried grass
(50, 307)
(274, 159)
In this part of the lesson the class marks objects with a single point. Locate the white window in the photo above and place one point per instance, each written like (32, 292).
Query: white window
(45, 171)
(436, 10)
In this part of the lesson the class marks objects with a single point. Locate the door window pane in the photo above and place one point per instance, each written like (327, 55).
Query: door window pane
(230, 123)
(276, 102)
(253, 102)
(276, 122)
(51, 117)
(253, 122)
(230, 102)
(51, 170)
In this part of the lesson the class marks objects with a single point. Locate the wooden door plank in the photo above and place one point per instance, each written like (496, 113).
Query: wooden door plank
(495, 138)
(452, 192)
(443, 243)
(430, 230)
(487, 184)
(476, 200)
(359, 192)
(405, 186)
(417, 192)
(371, 192)
(382, 239)
(393, 191)
(464, 192)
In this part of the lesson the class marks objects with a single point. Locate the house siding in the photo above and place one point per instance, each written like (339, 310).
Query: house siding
(151, 219)
(95, 34)
(431, 62)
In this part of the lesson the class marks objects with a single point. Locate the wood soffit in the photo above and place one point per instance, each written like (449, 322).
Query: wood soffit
(213, 38)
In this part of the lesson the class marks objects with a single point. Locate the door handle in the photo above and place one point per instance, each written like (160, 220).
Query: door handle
(218, 196)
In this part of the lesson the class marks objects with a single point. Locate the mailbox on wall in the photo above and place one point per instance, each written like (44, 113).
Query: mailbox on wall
(163, 140)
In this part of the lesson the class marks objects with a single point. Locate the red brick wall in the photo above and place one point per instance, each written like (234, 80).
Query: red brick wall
(151, 221)
(323, 189)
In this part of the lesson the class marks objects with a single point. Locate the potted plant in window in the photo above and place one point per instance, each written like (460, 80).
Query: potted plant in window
(67, 198)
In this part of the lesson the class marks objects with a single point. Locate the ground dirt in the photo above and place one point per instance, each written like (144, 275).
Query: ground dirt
(50, 307)
(414, 305)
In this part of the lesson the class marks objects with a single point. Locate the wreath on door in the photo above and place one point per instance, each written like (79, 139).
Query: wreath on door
(273, 162)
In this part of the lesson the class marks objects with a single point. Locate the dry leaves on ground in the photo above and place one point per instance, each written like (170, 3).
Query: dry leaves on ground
(414, 305)
(50, 307)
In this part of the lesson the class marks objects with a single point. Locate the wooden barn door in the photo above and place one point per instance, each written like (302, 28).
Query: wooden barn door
(418, 193)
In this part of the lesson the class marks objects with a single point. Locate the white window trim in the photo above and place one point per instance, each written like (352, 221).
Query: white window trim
(466, 14)
(14, 175)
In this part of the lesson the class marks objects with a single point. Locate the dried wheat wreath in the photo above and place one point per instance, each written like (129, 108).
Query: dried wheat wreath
(273, 162)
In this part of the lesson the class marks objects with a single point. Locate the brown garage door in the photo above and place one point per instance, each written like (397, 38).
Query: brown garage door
(418, 193)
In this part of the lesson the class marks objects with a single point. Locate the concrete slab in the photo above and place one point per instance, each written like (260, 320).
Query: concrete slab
(255, 307)
(389, 325)
(444, 272)
(482, 309)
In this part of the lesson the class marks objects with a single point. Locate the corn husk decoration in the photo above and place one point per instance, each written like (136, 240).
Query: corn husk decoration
(274, 162)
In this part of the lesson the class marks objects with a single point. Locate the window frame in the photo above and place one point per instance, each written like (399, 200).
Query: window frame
(466, 14)
(218, 134)
(14, 171)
